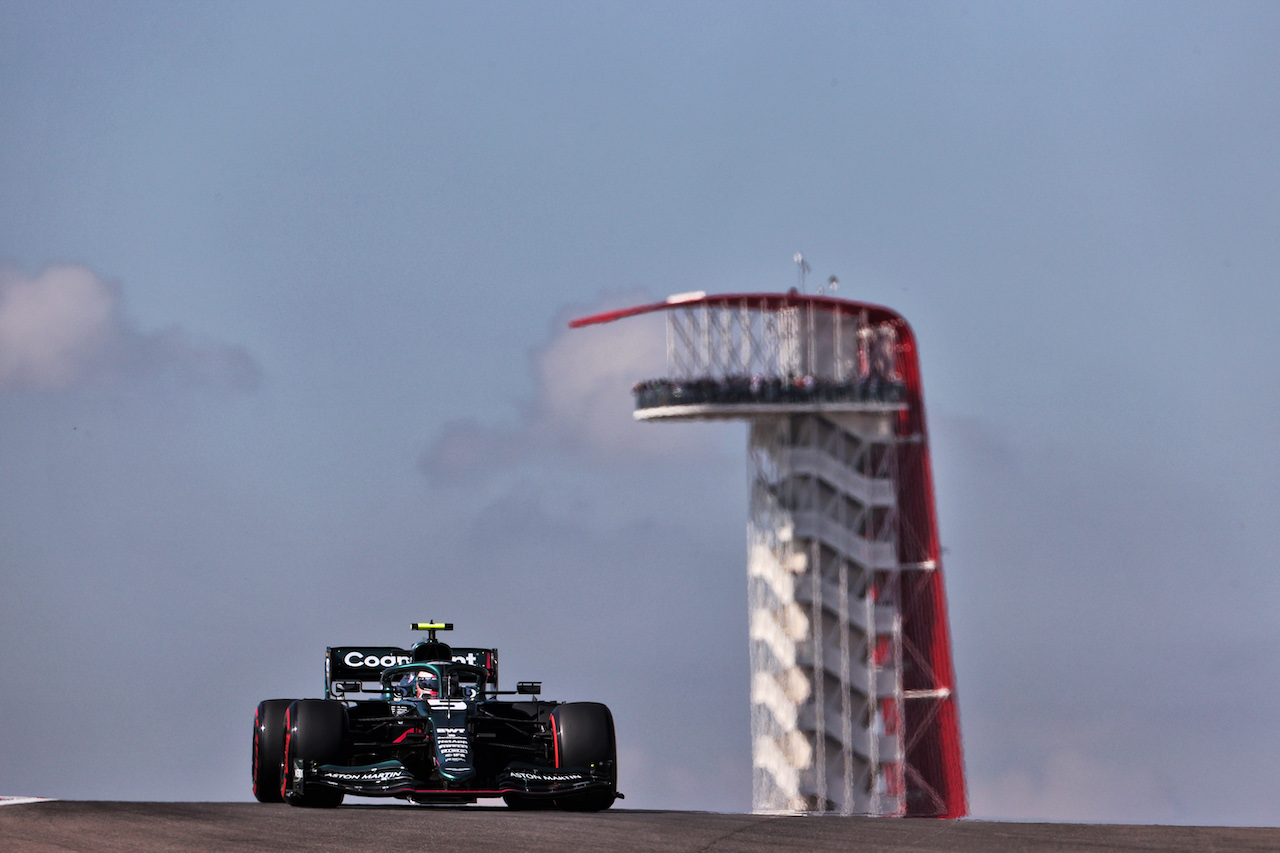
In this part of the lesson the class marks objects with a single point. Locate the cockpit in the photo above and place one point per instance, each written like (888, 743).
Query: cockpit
(434, 681)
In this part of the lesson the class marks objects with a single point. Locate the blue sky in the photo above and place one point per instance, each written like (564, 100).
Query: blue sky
(284, 363)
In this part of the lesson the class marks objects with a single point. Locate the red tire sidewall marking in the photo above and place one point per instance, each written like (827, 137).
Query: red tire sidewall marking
(256, 735)
(284, 771)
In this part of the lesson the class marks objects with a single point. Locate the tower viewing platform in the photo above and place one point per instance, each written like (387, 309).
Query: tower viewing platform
(853, 706)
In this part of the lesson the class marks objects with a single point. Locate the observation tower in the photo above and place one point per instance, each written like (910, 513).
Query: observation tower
(853, 704)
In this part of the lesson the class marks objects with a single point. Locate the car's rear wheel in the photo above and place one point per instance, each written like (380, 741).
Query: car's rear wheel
(268, 749)
(584, 737)
(315, 731)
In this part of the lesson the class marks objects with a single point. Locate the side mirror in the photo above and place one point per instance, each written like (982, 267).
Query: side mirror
(529, 688)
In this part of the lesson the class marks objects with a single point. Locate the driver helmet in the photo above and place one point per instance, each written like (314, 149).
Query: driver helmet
(426, 685)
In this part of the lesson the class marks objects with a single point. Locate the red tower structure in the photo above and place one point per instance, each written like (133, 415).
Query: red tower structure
(853, 690)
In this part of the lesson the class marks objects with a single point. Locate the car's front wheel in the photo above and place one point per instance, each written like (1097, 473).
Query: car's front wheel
(584, 737)
(315, 731)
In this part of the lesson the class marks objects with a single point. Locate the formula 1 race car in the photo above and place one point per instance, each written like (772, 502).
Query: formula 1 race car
(437, 730)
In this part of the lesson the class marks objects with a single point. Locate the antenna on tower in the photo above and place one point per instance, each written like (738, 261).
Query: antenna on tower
(803, 265)
(833, 284)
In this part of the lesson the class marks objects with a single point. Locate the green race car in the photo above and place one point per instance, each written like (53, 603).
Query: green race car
(430, 725)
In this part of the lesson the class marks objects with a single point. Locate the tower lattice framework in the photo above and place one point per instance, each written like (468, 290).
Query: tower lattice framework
(853, 706)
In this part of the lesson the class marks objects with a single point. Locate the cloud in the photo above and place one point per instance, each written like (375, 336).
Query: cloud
(53, 327)
(627, 537)
(65, 328)
(581, 407)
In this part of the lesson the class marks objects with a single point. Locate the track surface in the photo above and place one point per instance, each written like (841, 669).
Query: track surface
(145, 827)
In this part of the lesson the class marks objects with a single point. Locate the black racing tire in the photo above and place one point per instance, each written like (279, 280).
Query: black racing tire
(268, 749)
(584, 737)
(315, 730)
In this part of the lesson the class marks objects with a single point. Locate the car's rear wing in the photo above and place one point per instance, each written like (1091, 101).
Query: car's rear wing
(347, 669)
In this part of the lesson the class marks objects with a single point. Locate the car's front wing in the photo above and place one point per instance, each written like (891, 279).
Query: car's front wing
(391, 778)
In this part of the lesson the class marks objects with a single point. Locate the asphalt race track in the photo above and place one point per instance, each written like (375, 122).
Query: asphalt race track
(144, 827)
